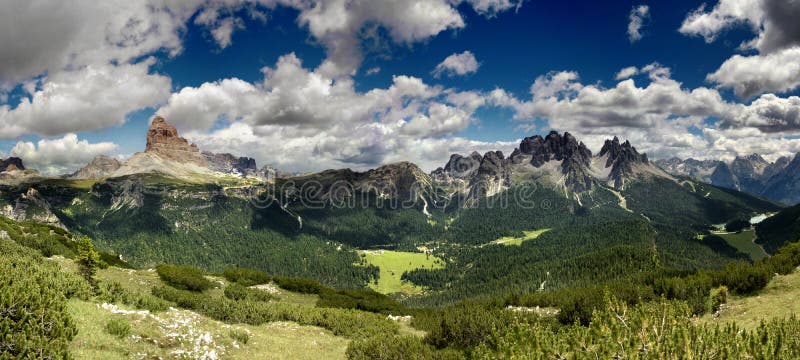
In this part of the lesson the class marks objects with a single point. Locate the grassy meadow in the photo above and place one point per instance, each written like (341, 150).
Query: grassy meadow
(529, 235)
(393, 264)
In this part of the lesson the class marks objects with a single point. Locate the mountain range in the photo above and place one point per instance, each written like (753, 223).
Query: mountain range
(175, 203)
(778, 181)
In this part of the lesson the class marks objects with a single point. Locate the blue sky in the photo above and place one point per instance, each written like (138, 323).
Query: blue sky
(587, 42)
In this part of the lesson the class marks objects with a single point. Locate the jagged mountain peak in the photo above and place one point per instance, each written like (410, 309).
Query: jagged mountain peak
(623, 161)
(754, 157)
(624, 151)
(560, 159)
(554, 146)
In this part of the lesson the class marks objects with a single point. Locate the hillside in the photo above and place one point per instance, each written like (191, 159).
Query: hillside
(101, 311)
(780, 229)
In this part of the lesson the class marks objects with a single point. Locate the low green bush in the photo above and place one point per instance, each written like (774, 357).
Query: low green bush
(241, 336)
(399, 347)
(342, 322)
(246, 277)
(234, 291)
(184, 277)
(120, 328)
(299, 285)
(114, 292)
(34, 322)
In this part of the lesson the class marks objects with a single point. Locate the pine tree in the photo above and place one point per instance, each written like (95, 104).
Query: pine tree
(88, 261)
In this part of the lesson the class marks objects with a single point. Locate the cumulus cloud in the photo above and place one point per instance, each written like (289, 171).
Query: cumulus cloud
(60, 35)
(726, 14)
(560, 97)
(300, 113)
(73, 49)
(457, 64)
(60, 155)
(636, 19)
(659, 116)
(91, 98)
(768, 113)
(776, 68)
(751, 75)
(337, 25)
(656, 116)
(627, 72)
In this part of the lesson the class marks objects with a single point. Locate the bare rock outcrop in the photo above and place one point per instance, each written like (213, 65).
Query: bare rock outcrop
(163, 140)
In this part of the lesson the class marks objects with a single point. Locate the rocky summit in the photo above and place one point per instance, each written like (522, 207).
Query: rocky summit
(163, 140)
(622, 159)
(101, 166)
(10, 164)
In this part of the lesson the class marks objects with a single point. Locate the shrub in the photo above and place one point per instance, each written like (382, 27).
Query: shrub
(744, 278)
(299, 285)
(184, 277)
(397, 347)
(34, 322)
(366, 300)
(468, 324)
(246, 277)
(120, 328)
(342, 322)
(239, 335)
(234, 291)
(114, 292)
(718, 297)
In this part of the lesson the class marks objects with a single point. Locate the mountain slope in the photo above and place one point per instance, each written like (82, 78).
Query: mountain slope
(780, 229)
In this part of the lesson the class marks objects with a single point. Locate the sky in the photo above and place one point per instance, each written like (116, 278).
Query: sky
(307, 85)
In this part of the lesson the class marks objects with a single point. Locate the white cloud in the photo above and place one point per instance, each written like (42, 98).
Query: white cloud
(457, 64)
(337, 25)
(61, 155)
(636, 19)
(303, 120)
(725, 14)
(656, 117)
(751, 75)
(768, 113)
(492, 7)
(776, 68)
(373, 71)
(83, 45)
(91, 98)
(627, 72)
(62, 35)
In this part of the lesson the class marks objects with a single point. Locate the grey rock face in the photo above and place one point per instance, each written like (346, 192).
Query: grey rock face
(621, 158)
(229, 164)
(101, 166)
(12, 163)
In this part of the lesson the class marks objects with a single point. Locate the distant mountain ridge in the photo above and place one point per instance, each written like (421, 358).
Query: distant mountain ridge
(779, 180)
(556, 159)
